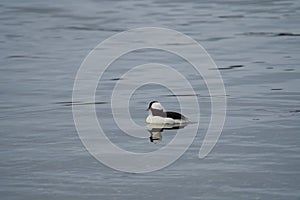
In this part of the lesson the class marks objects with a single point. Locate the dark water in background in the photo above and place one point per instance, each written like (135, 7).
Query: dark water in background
(255, 43)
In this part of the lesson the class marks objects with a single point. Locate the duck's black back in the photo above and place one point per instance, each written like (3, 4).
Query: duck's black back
(175, 115)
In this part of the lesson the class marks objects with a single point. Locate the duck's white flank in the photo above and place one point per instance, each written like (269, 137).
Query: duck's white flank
(157, 115)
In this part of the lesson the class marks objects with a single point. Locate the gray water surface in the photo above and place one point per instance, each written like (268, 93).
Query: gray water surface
(255, 44)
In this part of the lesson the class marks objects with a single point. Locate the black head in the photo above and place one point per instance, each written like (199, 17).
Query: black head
(150, 104)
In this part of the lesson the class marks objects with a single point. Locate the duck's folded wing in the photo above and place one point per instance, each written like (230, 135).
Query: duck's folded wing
(175, 115)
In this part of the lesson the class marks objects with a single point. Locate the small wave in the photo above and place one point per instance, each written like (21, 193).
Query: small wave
(115, 79)
(270, 34)
(191, 95)
(231, 16)
(71, 103)
(227, 68)
(91, 28)
(26, 57)
(294, 111)
(37, 10)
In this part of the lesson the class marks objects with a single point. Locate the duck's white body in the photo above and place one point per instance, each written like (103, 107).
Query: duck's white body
(161, 120)
(157, 115)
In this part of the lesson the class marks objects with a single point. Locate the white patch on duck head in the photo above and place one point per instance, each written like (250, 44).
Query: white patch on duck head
(157, 106)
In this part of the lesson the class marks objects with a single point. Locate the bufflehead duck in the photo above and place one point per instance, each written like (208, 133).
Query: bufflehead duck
(157, 115)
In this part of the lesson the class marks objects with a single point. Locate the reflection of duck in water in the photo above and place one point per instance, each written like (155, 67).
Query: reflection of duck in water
(157, 115)
(156, 130)
(155, 136)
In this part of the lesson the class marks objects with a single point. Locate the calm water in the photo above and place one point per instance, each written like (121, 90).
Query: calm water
(255, 44)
